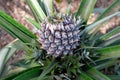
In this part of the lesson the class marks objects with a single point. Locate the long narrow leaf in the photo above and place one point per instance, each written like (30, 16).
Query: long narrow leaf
(101, 64)
(26, 74)
(15, 32)
(111, 33)
(97, 75)
(114, 7)
(34, 23)
(94, 27)
(15, 29)
(98, 10)
(7, 52)
(114, 77)
(47, 70)
(84, 76)
(49, 6)
(109, 52)
(42, 5)
(36, 10)
(5, 55)
(85, 9)
(13, 22)
(112, 41)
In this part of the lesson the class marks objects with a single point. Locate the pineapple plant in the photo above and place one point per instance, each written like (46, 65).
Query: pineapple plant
(62, 46)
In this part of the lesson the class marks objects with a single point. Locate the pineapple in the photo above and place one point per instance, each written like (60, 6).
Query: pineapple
(60, 36)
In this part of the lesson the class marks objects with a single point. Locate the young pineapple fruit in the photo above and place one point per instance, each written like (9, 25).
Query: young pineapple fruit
(59, 35)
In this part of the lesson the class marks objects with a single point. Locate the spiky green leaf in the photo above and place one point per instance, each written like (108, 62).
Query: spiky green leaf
(93, 28)
(26, 74)
(49, 7)
(85, 9)
(109, 52)
(34, 23)
(5, 55)
(84, 76)
(114, 7)
(36, 10)
(15, 29)
(111, 33)
(47, 70)
(97, 75)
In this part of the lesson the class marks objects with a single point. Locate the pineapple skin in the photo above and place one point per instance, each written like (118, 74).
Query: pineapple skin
(60, 37)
